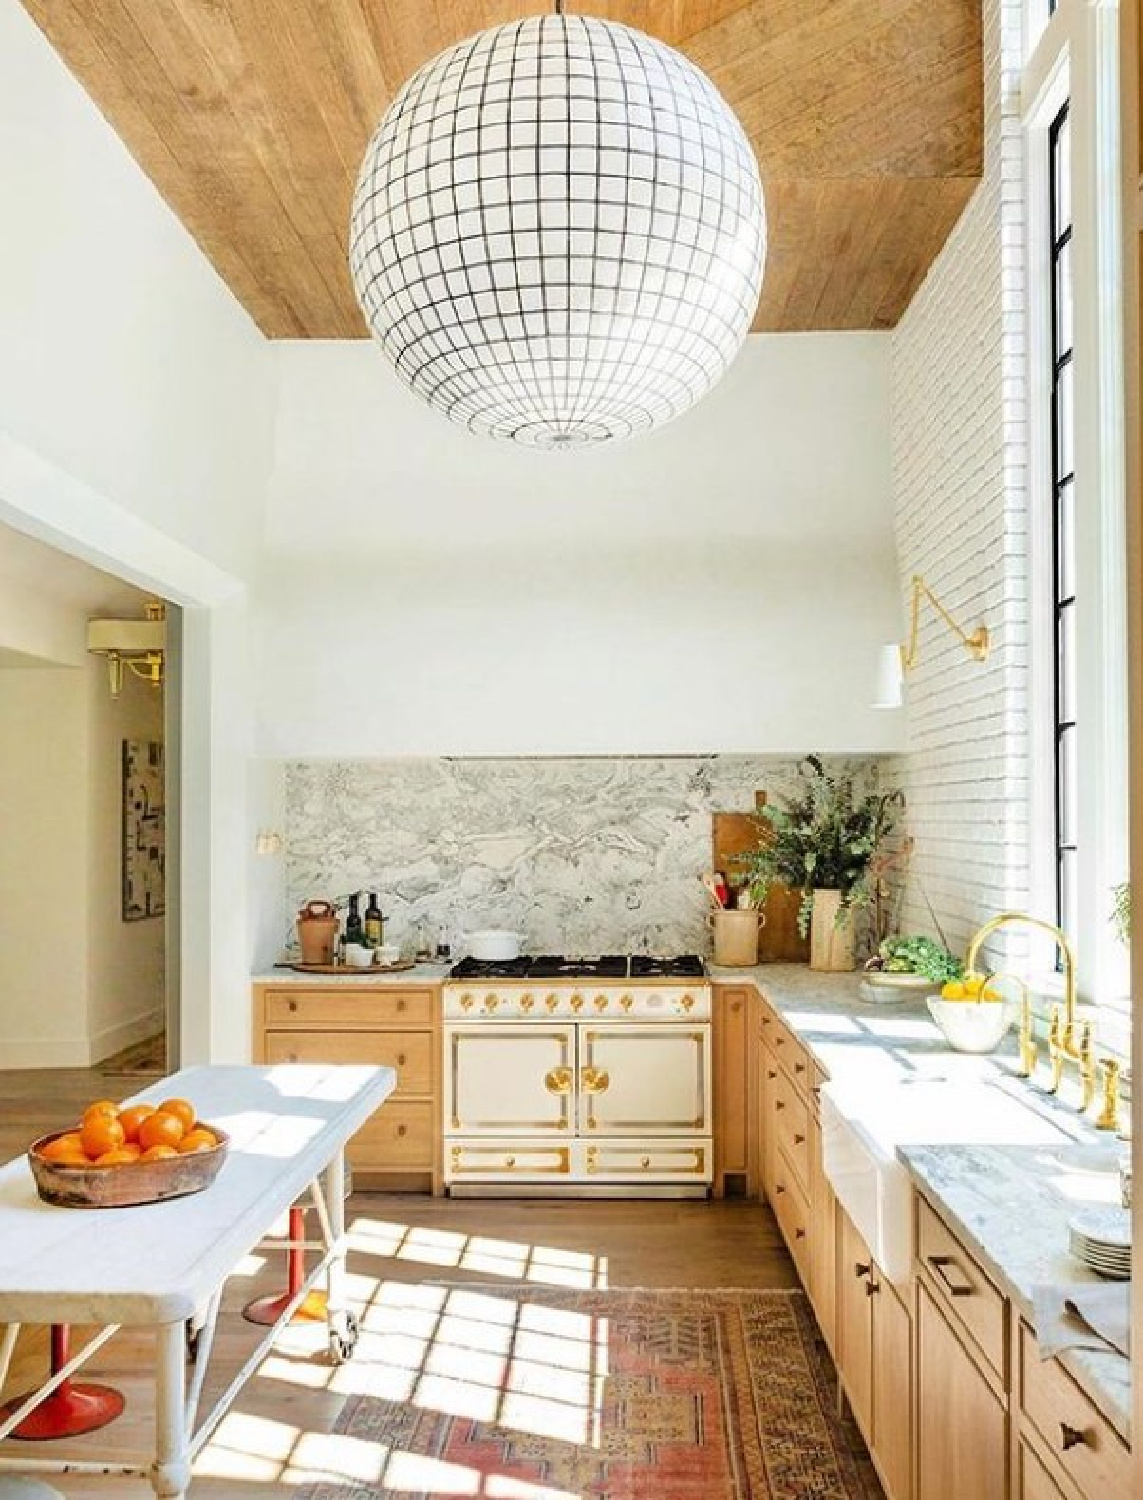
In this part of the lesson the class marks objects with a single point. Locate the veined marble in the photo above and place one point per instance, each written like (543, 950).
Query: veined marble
(579, 855)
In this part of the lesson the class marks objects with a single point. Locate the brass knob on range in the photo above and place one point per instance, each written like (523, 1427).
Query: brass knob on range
(627, 1001)
(558, 1080)
(491, 1002)
(552, 1001)
(600, 1002)
(687, 1002)
(594, 1080)
(526, 1003)
(577, 1003)
(466, 1002)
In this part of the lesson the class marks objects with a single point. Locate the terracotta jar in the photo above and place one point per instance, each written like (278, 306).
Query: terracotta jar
(317, 932)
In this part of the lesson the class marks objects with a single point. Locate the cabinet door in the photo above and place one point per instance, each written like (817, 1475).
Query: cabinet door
(730, 1082)
(1035, 1481)
(644, 1080)
(767, 1120)
(855, 1324)
(500, 1080)
(892, 1389)
(962, 1426)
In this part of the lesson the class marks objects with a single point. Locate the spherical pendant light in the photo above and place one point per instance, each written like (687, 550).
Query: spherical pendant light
(558, 232)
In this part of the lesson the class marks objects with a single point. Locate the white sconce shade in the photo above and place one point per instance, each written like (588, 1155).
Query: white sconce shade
(890, 691)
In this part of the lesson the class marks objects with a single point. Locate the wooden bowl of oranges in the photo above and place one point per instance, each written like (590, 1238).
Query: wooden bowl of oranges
(118, 1157)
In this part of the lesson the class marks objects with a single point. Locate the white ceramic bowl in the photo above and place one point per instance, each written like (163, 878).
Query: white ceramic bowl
(494, 943)
(973, 1025)
(357, 956)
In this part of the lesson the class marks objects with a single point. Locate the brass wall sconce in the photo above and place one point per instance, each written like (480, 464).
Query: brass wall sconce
(897, 659)
(134, 644)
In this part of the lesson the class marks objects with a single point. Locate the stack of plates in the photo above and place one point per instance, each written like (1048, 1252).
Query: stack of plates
(1101, 1239)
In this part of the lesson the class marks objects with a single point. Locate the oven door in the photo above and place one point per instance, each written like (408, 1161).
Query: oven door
(506, 1080)
(644, 1080)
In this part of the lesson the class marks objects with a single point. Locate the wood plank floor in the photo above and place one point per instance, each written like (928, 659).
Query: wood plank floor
(293, 1399)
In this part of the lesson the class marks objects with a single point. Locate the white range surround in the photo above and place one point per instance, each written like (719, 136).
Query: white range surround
(577, 1086)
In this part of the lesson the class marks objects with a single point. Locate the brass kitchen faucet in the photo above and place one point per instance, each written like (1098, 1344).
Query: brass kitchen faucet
(1069, 1040)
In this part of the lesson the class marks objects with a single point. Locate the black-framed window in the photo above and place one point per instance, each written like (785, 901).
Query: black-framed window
(1063, 519)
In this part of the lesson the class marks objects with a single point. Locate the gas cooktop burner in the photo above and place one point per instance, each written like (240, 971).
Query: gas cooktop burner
(558, 966)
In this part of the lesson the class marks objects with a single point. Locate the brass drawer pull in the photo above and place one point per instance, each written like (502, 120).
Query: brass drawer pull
(963, 1288)
(872, 1287)
(799, 1140)
(771, 1073)
(400, 1005)
(644, 1161)
(778, 1189)
(594, 1080)
(510, 1161)
(292, 1006)
(779, 1103)
(558, 1081)
(402, 1129)
(1071, 1437)
(862, 1268)
(400, 1059)
(799, 1234)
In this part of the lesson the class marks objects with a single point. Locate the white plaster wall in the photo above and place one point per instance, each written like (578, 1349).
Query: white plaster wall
(959, 482)
(43, 893)
(720, 585)
(123, 358)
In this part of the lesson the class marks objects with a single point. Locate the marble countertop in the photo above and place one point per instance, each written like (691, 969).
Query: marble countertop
(419, 974)
(1010, 1204)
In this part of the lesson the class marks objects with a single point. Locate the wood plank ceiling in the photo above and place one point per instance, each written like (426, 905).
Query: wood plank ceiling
(251, 117)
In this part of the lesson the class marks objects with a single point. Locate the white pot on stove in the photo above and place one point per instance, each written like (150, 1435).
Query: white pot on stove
(491, 944)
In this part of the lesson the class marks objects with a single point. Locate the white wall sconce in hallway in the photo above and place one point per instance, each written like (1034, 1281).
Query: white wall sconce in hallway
(895, 660)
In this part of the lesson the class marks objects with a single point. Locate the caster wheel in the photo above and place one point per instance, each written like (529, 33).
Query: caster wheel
(343, 1341)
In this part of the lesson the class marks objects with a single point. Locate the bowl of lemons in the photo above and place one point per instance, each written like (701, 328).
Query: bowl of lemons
(973, 1013)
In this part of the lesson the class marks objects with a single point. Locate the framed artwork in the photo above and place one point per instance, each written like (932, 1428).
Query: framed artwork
(144, 830)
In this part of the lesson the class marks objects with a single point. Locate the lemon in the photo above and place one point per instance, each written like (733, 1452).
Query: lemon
(991, 994)
(973, 984)
(953, 990)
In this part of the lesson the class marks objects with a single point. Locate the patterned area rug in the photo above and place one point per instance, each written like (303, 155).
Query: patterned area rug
(542, 1394)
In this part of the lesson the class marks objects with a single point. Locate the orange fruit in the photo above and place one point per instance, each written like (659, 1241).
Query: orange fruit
(197, 1140)
(132, 1149)
(118, 1157)
(100, 1133)
(161, 1129)
(64, 1148)
(100, 1107)
(183, 1108)
(132, 1117)
(158, 1153)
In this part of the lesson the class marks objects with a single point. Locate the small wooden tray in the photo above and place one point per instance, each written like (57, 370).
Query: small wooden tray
(358, 973)
(128, 1185)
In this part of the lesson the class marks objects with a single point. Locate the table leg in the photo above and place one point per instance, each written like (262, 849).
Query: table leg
(171, 1471)
(342, 1322)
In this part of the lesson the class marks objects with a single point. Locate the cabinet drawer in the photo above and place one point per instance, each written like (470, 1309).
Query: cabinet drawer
(506, 1159)
(380, 1006)
(792, 1210)
(1080, 1438)
(967, 1295)
(675, 1161)
(791, 1118)
(400, 1134)
(410, 1053)
(787, 1049)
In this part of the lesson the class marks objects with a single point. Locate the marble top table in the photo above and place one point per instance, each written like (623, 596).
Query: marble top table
(157, 1263)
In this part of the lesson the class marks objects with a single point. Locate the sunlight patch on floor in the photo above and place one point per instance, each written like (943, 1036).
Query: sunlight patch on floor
(510, 1260)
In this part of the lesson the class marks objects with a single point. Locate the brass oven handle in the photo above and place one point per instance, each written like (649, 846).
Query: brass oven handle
(594, 1080)
(558, 1081)
(955, 1289)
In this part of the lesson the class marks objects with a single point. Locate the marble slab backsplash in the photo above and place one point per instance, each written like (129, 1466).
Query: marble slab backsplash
(580, 855)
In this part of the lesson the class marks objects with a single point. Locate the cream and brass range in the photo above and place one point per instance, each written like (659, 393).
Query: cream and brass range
(1069, 1039)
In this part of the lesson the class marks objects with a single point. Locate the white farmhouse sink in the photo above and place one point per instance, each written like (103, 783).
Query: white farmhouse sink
(862, 1128)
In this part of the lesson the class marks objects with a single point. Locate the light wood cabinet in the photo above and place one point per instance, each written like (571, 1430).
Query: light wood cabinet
(823, 1258)
(855, 1323)
(363, 1023)
(732, 1092)
(962, 1422)
(1077, 1446)
(1033, 1482)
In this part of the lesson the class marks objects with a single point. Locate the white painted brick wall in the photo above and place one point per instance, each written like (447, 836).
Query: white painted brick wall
(959, 480)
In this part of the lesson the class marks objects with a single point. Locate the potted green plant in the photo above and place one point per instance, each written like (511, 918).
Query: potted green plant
(822, 841)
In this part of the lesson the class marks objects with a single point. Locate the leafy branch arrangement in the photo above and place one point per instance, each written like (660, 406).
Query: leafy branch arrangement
(823, 837)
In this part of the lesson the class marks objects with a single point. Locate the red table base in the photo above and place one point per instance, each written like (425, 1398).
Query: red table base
(312, 1308)
(71, 1409)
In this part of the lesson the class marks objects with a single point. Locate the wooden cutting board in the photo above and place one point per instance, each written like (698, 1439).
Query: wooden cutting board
(736, 833)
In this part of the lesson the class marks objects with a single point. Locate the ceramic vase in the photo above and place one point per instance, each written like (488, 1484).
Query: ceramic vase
(831, 934)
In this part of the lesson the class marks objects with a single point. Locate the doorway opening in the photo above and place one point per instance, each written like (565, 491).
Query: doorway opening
(85, 787)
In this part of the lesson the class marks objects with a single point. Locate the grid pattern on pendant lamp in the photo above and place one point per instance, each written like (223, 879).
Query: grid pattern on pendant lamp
(558, 232)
